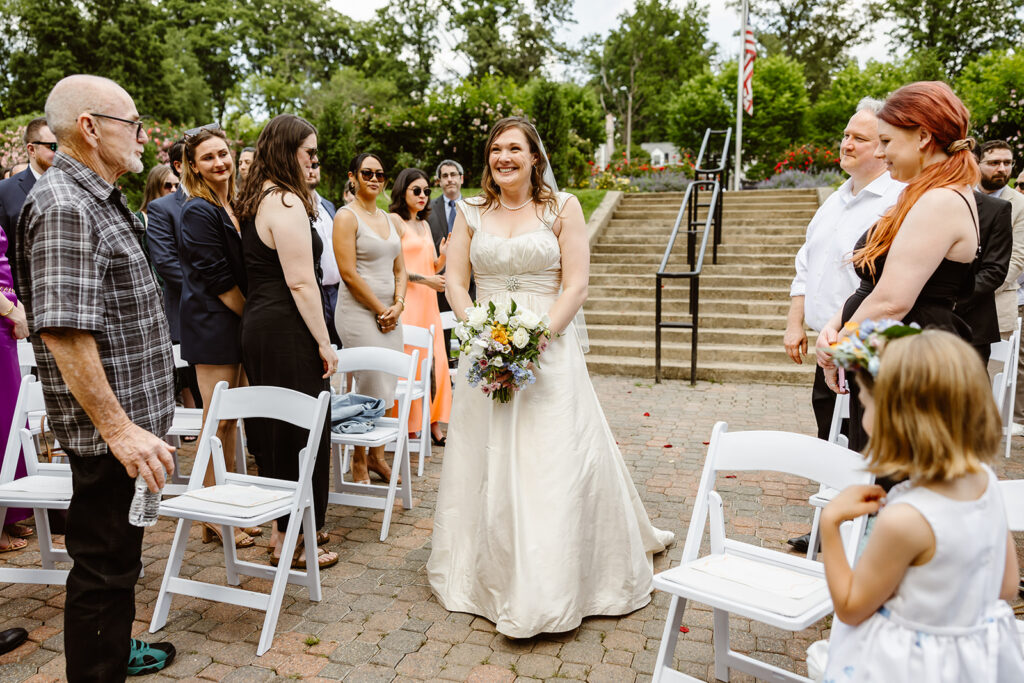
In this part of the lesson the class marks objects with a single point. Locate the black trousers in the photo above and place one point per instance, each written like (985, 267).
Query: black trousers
(823, 402)
(330, 298)
(107, 555)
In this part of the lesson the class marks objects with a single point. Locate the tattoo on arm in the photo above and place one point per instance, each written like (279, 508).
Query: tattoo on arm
(416, 277)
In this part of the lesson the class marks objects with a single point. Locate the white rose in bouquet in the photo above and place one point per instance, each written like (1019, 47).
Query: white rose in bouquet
(462, 331)
(476, 316)
(528, 318)
(520, 338)
(501, 313)
(498, 362)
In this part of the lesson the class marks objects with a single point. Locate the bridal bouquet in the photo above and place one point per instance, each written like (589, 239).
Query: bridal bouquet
(502, 340)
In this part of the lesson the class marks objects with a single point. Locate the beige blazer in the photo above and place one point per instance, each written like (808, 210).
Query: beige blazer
(1006, 296)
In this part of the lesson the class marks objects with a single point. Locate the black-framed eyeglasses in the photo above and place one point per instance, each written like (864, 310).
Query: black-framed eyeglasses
(51, 145)
(417, 191)
(453, 174)
(138, 123)
(192, 132)
(368, 174)
(315, 165)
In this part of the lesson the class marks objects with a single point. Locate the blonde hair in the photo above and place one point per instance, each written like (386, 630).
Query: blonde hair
(935, 418)
(195, 184)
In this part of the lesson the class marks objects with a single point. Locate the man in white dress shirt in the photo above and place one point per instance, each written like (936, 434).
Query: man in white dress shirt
(824, 273)
(324, 225)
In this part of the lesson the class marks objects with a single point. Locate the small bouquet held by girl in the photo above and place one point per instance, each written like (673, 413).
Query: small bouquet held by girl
(504, 342)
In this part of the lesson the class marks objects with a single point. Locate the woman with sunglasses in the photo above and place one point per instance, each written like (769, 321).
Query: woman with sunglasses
(284, 334)
(213, 292)
(369, 254)
(410, 210)
(160, 182)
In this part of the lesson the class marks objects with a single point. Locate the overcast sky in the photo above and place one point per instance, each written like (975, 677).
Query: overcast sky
(598, 16)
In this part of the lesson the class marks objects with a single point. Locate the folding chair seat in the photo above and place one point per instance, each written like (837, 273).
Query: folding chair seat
(1004, 384)
(243, 500)
(772, 587)
(45, 487)
(420, 391)
(386, 430)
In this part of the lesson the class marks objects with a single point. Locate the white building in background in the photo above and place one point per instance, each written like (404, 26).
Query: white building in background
(662, 153)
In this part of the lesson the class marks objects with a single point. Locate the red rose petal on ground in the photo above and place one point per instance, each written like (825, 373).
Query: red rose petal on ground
(730, 476)
(647, 414)
(668, 445)
(706, 443)
(683, 629)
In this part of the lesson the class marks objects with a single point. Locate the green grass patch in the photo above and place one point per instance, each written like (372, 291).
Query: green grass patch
(589, 199)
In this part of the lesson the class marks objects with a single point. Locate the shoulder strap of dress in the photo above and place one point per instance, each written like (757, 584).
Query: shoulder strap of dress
(977, 230)
(551, 215)
(471, 210)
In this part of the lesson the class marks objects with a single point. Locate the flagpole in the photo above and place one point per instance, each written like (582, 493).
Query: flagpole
(739, 99)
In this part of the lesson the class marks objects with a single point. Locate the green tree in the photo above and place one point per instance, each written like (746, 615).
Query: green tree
(400, 44)
(700, 103)
(507, 38)
(549, 114)
(958, 32)
(992, 87)
(654, 49)
(816, 33)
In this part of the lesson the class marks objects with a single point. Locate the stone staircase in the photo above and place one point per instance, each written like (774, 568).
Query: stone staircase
(743, 299)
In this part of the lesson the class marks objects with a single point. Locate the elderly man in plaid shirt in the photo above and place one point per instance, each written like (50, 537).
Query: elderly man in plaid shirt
(104, 352)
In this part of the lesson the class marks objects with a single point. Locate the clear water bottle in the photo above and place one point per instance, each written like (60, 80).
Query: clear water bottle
(145, 504)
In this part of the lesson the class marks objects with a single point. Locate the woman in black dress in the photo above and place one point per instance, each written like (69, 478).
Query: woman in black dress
(916, 259)
(284, 334)
(214, 284)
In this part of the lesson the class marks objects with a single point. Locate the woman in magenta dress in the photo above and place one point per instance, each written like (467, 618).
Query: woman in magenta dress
(13, 326)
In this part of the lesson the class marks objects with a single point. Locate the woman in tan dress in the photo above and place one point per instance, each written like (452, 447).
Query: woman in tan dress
(369, 254)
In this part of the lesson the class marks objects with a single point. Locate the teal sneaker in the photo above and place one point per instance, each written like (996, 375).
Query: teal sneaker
(148, 658)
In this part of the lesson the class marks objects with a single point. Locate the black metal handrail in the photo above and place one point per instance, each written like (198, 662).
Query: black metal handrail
(711, 180)
(719, 173)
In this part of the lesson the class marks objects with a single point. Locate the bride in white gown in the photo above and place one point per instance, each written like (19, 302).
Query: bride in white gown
(538, 523)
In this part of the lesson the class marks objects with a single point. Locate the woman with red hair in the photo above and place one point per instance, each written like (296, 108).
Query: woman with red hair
(916, 260)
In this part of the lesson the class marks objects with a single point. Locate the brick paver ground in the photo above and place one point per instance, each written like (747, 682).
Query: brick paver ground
(378, 620)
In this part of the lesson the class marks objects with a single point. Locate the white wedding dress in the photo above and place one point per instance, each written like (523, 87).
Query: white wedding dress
(538, 523)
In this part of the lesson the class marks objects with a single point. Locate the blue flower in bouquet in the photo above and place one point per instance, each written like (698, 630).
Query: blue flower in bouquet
(862, 348)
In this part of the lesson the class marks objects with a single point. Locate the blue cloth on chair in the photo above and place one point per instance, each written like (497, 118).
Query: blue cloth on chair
(355, 413)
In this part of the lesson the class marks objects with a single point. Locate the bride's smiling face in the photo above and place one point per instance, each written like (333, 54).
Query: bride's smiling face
(510, 159)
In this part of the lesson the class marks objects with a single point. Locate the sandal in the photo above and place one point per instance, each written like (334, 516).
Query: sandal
(13, 543)
(18, 530)
(254, 531)
(324, 559)
(322, 538)
(212, 533)
(439, 442)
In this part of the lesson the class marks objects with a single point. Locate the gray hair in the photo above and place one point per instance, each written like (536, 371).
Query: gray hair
(73, 96)
(870, 104)
(448, 162)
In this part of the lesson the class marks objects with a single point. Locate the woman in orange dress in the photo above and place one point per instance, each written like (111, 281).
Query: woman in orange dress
(409, 204)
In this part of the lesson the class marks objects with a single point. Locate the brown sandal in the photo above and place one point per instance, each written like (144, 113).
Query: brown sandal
(18, 530)
(14, 543)
(324, 558)
(212, 533)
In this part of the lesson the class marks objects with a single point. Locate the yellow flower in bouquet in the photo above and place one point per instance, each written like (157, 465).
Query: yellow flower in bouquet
(499, 333)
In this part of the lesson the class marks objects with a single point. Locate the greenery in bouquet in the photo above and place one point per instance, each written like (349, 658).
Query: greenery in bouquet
(504, 343)
(862, 349)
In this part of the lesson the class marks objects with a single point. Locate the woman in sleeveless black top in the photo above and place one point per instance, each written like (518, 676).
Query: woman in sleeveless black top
(922, 136)
(284, 335)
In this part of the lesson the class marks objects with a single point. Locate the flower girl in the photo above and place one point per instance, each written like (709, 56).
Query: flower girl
(926, 601)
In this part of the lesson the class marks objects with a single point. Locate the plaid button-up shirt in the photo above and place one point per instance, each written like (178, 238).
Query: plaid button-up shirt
(81, 266)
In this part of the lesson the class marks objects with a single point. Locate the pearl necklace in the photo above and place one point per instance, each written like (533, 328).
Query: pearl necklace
(515, 208)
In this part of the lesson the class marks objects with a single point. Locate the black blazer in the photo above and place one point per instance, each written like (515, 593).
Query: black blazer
(13, 192)
(211, 264)
(978, 309)
(438, 221)
(163, 233)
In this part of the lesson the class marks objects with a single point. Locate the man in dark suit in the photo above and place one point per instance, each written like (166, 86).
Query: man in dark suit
(324, 225)
(40, 144)
(978, 308)
(450, 177)
(163, 234)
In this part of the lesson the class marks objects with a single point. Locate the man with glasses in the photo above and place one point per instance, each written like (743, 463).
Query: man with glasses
(442, 217)
(40, 144)
(105, 364)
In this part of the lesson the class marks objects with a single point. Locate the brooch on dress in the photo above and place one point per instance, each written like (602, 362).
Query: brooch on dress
(512, 283)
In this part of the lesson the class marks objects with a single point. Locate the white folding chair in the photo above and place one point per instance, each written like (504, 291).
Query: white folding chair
(386, 430)
(26, 357)
(825, 494)
(420, 391)
(243, 500)
(772, 587)
(1004, 384)
(448, 321)
(46, 487)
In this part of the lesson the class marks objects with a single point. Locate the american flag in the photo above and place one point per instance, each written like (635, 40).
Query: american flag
(749, 55)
